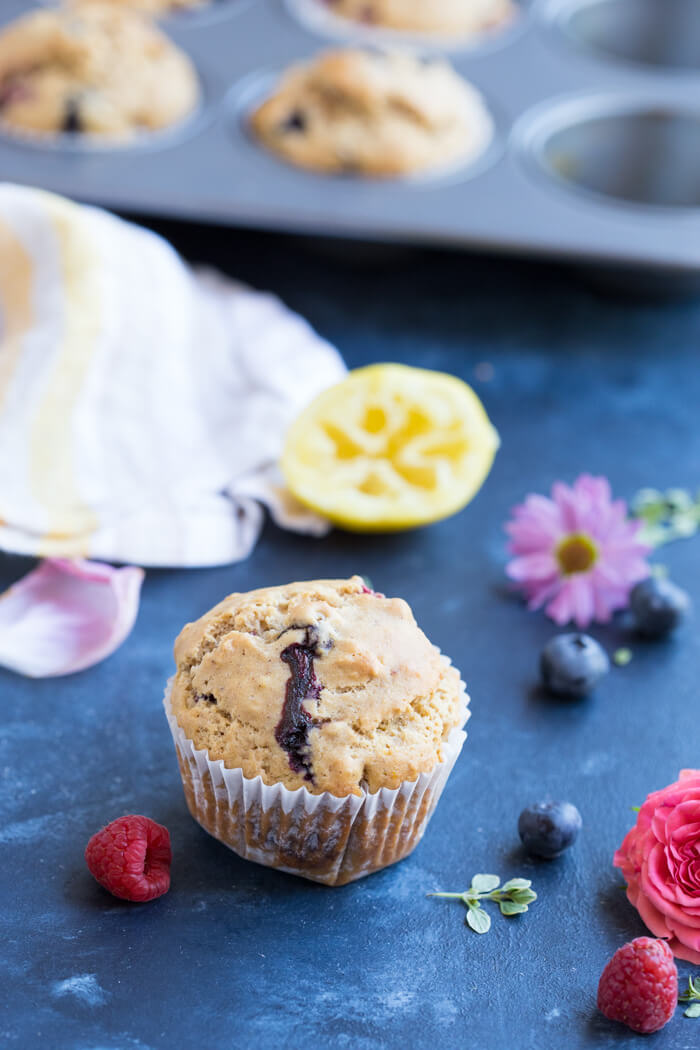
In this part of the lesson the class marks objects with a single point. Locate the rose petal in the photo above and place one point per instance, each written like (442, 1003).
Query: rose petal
(658, 884)
(67, 615)
(688, 935)
(651, 916)
(682, 951)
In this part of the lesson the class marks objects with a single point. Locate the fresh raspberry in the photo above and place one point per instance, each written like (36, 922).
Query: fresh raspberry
(639, 986)
(131, 858)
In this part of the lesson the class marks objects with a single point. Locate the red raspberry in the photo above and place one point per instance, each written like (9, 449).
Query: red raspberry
(131, 858)
(639, 986)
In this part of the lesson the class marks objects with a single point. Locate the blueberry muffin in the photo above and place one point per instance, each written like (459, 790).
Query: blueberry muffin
(315, 726)
(445, 17)
(373, 113)
(94, 69)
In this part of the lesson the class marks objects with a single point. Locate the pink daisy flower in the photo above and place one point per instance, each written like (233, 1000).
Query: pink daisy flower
(578, 553)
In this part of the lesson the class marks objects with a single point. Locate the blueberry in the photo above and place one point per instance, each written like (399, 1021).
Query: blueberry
(72, 123)
(208, 698)
(548, 828)
(658, 606)
(292, 731)
(572, 665)
(296, 121)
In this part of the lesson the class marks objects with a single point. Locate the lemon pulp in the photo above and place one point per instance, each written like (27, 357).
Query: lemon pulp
(390, 447)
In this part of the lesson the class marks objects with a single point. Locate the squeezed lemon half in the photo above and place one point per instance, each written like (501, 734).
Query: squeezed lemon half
(390, 447)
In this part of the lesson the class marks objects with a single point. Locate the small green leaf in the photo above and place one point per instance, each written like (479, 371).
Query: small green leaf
(646, 498)
(484, 883)
(523, 896)
(685, 526)
(653, 535)
(512, 907)
(516, 884)
(693, 1010)
(479, 920)
(622, 657)
(636, 809)
(679, 499)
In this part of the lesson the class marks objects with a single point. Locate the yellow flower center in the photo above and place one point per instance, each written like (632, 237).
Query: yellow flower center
(576, 553)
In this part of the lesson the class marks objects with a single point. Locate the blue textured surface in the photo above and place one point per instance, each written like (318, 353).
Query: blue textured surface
(239, 956)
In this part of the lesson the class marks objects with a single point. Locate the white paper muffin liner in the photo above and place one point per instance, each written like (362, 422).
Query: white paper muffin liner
(320, 837)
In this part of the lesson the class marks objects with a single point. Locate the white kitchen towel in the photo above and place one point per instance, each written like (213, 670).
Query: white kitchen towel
(143, 405)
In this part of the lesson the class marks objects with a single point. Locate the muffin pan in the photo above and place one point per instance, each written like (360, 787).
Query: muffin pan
(596, 156)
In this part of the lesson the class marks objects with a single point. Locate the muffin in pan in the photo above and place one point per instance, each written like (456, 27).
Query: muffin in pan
(442, 17)
(315, 726)
(92, 69)
(373, 113)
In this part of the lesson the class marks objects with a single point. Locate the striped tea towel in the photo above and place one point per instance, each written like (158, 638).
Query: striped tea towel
(142, 405)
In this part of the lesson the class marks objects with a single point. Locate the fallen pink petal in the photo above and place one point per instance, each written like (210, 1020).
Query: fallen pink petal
(67, 615)
(576, 553)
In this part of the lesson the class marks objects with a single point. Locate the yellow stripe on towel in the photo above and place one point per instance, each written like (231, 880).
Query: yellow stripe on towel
(53, 469)
(16, 273)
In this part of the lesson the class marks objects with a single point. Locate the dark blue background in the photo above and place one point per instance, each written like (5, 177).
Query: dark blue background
(239, 956)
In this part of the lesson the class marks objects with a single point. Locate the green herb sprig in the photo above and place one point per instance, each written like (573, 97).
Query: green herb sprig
(692, 996)
(667, 516)
(513, 898)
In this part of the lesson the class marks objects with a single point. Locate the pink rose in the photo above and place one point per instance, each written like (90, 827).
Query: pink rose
(660, 858)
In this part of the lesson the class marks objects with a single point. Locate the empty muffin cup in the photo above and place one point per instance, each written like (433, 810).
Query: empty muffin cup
(640, 151)
(664, 35)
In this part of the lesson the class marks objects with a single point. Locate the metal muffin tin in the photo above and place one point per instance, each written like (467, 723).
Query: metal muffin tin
(596, 156)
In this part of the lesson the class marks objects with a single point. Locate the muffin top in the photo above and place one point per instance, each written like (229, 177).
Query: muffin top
(324, 684)
(458, 17)
(373, 113)
(92, 68)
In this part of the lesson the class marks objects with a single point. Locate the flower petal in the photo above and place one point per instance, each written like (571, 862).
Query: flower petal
(569, 507)
(532, 567)
(561, 608)
(67, 615)
(651, 916)
(597, 490)
(682, 951)
(582, 600)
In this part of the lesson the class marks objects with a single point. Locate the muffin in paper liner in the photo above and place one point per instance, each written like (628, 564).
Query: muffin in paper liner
(318, 836)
